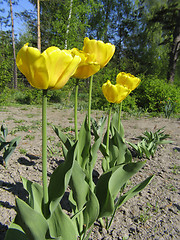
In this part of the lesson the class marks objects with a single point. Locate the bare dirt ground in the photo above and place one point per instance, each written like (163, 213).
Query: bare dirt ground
(153, 214)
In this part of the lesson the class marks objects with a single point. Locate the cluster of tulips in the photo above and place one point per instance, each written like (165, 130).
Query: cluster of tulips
(42, 216)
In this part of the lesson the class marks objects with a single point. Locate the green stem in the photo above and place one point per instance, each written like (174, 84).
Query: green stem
(107, 139)
(108, 129)
(44, 149)
(119, 118)
(89, 106)
(75, 109)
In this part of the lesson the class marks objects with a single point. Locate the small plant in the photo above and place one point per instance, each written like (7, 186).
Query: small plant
(22, 151)
(30, 137)
(97, 125)
(19, 129)
(149, 143)
(8, 147)
(168, 107)
(176, 169)
(145, 215)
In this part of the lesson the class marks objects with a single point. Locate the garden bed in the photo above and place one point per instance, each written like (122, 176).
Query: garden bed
(153, 214)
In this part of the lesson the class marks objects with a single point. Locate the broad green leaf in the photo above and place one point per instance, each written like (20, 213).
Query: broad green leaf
(103, 194)
(114, 125)
(91, 211)
(60, 225)
(12, 145)
(2, 139)
(32, 223)
(110, 183)
(122, 175)
(98, 127)
(35, 194)
(94, 151)
(60, 179)
(128, 156)
(66, 141)
(83, 197)
(133, 191)
(15, 232)
(84, 144)
(117, 149)
(3, 145)
(4, 131)
(79, 186)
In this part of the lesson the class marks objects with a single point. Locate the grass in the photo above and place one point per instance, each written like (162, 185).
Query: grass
(176, 169)
(30, 137)
(22, 151)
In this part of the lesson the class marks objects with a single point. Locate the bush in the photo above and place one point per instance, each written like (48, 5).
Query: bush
(29, 96)
(55, 96)
(6, 96)
(152, 91)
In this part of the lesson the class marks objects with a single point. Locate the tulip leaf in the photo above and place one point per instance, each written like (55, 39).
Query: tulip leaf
(94, 152)
(10, 149)
(33, 223)
(91, 211)
(82, 196)
(35, 194)
(98, 127)
(60, 178)
(111, 182)
(4, 131)
(15, 232)
(60, 225)
(84, 144)
(79, 186)
(114, 125)
(117, 149)
(133, 191)
(65, 140)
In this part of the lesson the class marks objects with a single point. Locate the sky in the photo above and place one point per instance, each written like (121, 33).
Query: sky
(23, 5)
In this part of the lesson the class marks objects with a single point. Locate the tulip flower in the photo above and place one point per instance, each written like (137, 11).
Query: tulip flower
(103, 52)
(88, 65)
(114, 93)
(48, 70)
(128, 80)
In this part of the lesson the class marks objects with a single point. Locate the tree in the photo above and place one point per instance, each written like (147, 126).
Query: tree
(6, 57)
(14, 47)
(166, 14)
(169, 17)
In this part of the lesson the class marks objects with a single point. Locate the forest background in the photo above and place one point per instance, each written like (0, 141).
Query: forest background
(146, 34)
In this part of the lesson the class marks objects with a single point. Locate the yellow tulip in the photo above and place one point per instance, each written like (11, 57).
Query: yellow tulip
(128, 80)
(102, 52)
(88, 65)
(48, 70)
(114, 93)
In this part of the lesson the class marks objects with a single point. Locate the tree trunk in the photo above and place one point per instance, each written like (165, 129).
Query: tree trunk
(68, 25)
(14, 50)
(174, 51)
(38, 26)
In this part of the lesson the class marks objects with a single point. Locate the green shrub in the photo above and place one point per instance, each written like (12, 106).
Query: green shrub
(6, 96)
(29, 96)
(129, 103)
(55, 96)
(152, 91)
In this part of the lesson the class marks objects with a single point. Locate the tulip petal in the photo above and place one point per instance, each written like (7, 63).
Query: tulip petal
(102, 51)
(32, 65)
(70, 69)
(128, 80)
(87, 66)
(51, 69)
(114, 93)
(86, 70)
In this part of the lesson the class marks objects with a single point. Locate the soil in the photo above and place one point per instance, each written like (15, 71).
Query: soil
(153, 214)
